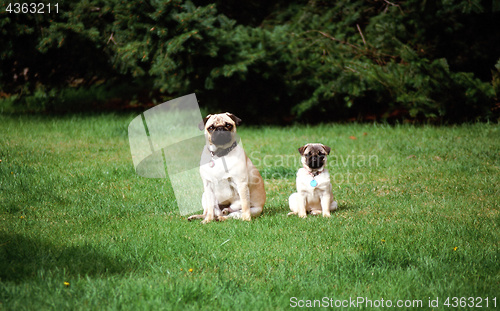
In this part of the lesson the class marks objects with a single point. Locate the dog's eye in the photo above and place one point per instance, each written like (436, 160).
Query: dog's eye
(229, 126)
(211, 128)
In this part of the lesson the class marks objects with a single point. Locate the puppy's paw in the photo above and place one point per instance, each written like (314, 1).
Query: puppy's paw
(302, 215)
(291, 213)
(246, 216)
(222, 218)
(327, 215)
(334, 206)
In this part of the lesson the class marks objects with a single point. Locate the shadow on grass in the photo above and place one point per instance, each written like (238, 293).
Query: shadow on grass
(22, 258)
(272, 210)
(343, 207)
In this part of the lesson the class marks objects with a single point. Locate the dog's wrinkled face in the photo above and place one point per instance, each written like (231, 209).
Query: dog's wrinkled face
(314, 155)
(220, 128)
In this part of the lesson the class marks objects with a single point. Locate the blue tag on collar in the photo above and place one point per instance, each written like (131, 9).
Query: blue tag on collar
(313, 183)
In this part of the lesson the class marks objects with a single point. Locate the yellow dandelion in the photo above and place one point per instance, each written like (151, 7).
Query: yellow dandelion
(181, 269)
(190, 270)
(455, 248)
(383, 241)
(66, 283)
(22, 217)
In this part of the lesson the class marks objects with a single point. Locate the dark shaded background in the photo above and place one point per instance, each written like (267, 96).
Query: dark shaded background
(273, 62)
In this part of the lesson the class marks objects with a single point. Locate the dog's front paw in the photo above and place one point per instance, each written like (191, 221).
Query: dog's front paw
(327, 215)
(207, 220)
(302, 215)
(193, 217)
(246, 216)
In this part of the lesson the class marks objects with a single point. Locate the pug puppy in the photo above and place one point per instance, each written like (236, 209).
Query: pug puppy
(314, 191)
(233, 187)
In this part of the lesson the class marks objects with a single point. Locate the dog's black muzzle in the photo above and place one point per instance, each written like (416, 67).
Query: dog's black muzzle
(220, 136)
(315, 161)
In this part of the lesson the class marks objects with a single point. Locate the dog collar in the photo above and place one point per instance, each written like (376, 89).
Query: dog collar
(223, 152)
(314, 174)
(313, 182)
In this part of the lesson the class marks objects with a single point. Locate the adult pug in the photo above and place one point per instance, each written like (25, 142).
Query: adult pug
(314, 190)
(233, 187)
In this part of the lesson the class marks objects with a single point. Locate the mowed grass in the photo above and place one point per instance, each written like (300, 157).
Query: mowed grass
(418, 220)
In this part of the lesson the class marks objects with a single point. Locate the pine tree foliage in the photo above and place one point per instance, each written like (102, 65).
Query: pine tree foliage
(310, 60)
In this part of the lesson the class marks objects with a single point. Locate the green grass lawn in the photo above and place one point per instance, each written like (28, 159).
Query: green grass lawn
(418, 221)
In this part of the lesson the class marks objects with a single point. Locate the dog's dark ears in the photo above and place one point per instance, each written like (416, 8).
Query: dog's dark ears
(201, 126)
(237, 121)
(302, 149)
(327, 149)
